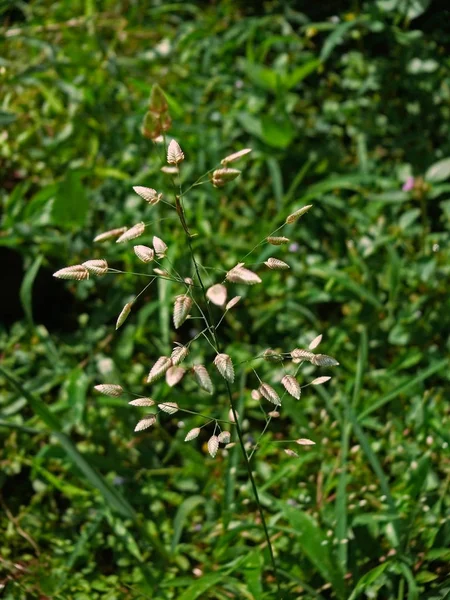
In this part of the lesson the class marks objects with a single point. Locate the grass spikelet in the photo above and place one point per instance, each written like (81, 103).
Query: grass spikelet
(148, 194)
(225, 366)
(298, 355)
(96, 267)
(132, 233)
(292, 386)
(217, 294)
(145, 423)
(109, 389)
(239, 274)
(142, 402)
(220, 177)
(297, 214)
(174, 375)
(271, 356)
(174, 153)
(169, 407)
(169, 170)
(274, 414)
(181, 308)
(277, 241)
(123, 315)
(213, 445)
(159, 368)
(305, 442)
(192, 434)
(144, 253)
(161, 272)
(232, 302)
(203, 379)
(179, 353)
(224, 437)
(269, 394)
(320, 380)
(291, 453)
(75, 272)
(316, 341)
(322, 360)
(159, 246)
(255, 395)
(112, 233)
(231, 416)
(235, 156)
(276, 264)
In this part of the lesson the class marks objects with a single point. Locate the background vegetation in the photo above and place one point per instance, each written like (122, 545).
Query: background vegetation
(342, 102)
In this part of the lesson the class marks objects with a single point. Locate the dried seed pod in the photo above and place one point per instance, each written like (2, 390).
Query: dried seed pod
(161, 272)
(192, 434)
(174, 153)
(145, 423)
(168, 407)
(291, 453)
(298, 355)
(239, 274)
(75, 272)
(159, 368)
(151, 126)
(222, 176)
(142, 402)
(148, 194)
(182, 306)
(132, 233)
(292, 386)
(316, 341)
(269, 394)
(235, 156)
(277, 241)
(213, 445)
(298, 213)
(225, 366)
(109, 389)
(322, 360)
(123, 315)
(232, 302)
(169, 170)
(96, 267)
(320, 380)
(224, 437)
(160, 247)
(174, 375)
(305, 442)
(203, 379)
(276, 265)
(217, 294)
(144, 253)
(112, 233)
(179, 353)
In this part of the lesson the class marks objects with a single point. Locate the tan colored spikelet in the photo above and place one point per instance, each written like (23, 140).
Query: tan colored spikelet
(132, 233)
(169, 170)
(291, 453)
(192, 434)
(159, 246)
(305, 442)
(224, 437)
(274, 414)
(158, 103)
(161, 272)
(217, 294)
(225, 367)
(292, 386)
(145, 423)
(96, 267)
(255, 395)
(159, 368)
(297, 214)
(277, 241)
(271, 356)
(75, 272)
(322, 360)
(179, 353)
(169, 407)
(231, 415)
(148, 194)
(232, 302)
(203, 379)
(235, 156)
(239, 274)
(181, 308)
(220, 177)
(276, 265)
(316, 341)
(109, 389)
(112, 233)
(123, 315)
(269, 394)
(174, 375)
(298, 355)
(320, 380)
(188, 280)
(144, 253)
(174, 153)
(213, 445)
(142, 402)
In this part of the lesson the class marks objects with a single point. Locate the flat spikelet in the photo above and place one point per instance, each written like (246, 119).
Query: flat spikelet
(224, 437)
(322, 360)
(169, 170)
(145, 423)
(203, 379)
(297, 214)
(271, 356)
(179, 353)
(148, 194)
(274, 263)
(292, 386)
(225, 366)
(291, 453)
(132, 233)
(75, 272)
(277, 241)
(174, 375)
(123, 315)
(235, 156)
(192, 434)
(181, 308)
(320, 380)
(109, 389)
(239, 274)
(232, 302)
(161, 272)
(159, 368)
(168, 407)
(144, 253)
(159, 246)
(142, 402)
(213, 445)
(112, 233)
(217, 294)
(174, 153)
(269, 394)
(316, 341)
(220, 177)
(298, 355)
(305, 442)
(96, 267)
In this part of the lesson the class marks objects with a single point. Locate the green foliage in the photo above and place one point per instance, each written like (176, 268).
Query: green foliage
(340, 109)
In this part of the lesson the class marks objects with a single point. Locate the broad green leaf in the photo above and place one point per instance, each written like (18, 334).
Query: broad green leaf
(277, 132)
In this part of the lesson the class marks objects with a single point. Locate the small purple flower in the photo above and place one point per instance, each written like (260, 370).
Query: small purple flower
(408, 185)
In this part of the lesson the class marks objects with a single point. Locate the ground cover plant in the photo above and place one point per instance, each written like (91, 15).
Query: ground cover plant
(345, 109)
